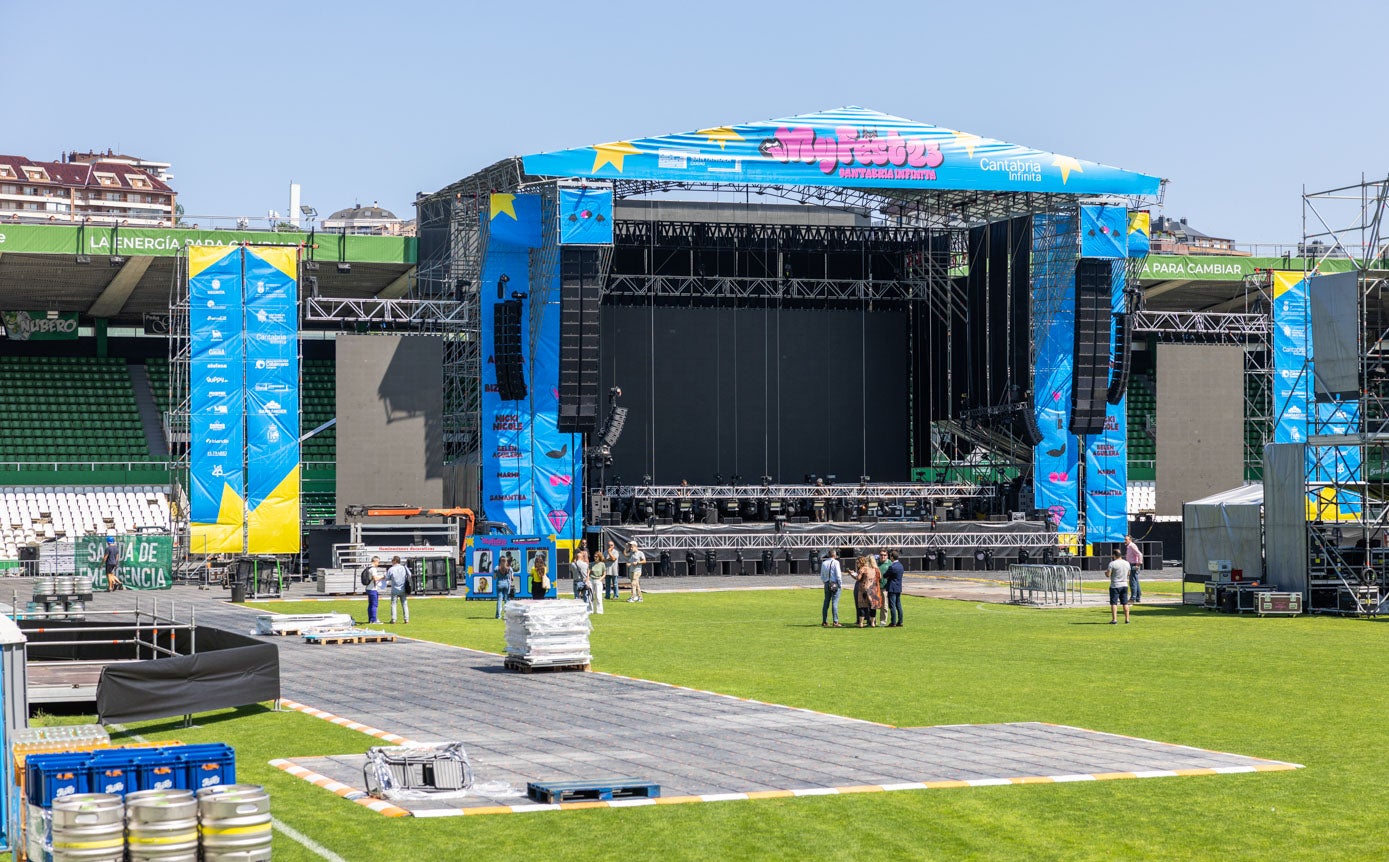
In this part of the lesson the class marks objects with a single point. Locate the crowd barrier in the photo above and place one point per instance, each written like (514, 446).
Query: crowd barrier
(1030, 584)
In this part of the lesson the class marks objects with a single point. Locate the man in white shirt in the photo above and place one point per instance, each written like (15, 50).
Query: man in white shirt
(1118, 587)
(832, 576)
(635, 559)
(398, 576)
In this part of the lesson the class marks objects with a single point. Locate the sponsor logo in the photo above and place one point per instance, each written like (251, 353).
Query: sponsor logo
(215, 380)
(217, 426)
(219, 408)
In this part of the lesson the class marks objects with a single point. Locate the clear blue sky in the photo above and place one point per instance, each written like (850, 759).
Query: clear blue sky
(1238, 104)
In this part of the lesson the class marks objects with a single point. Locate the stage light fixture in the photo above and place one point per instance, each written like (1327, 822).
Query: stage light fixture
(737, 480)
(344, 267)
(831, 479)
(311, 266)
(865, 479)
(766, 481)
(84, 259)
(312, 283)
(116, 260)
(501, 285)
(646, 480)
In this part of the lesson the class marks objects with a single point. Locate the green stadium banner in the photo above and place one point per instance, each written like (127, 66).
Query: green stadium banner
(168, 242)
(40, 325)
(147, 562)
(1172, 267)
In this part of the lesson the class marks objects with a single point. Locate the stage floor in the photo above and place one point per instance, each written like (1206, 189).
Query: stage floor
(702, 746)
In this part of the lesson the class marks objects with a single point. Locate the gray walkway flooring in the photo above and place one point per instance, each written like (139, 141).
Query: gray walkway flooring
(696, 745)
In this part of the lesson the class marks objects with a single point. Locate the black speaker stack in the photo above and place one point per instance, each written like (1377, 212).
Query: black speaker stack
(506, 350)
(1090, 373)
(1123, 359)
(579, 297)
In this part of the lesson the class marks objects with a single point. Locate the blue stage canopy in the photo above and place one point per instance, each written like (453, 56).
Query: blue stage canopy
(846, 148)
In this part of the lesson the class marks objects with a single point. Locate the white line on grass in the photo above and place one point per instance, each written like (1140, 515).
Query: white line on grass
(284, 828)
(312, 845)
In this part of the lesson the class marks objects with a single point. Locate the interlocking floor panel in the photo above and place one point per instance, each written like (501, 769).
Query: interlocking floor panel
(697, 745)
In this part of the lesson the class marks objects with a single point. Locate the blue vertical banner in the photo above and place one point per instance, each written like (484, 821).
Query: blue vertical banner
(531, 473)
(1295, 411)
(1056, 486)
(216, 445)
(1292, 376)
(272, 400)
(1106, 453)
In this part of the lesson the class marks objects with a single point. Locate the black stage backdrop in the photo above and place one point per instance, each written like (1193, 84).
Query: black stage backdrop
(757, 391)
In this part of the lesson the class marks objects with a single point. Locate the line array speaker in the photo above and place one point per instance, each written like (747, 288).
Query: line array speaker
(506, 350)
(1123, 364)
(579, 297)
(1090, 369)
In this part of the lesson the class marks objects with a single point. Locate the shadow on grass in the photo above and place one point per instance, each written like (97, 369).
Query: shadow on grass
(203, 720)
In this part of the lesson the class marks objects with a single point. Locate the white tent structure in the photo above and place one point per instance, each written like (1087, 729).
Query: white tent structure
(1225, 526)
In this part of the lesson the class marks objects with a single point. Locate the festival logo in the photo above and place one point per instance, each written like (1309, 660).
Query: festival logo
(882, 157)
(561, 481)
(558, 518)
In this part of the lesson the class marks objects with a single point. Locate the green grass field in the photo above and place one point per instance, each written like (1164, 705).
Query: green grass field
(1304, 690)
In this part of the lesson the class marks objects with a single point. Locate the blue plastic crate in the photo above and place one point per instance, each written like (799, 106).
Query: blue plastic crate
(160, 769)
(207, 765)
(50, 776)
(112, 770)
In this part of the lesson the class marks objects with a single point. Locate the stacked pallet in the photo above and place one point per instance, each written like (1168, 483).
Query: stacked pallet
(547, 634)
(296, 624)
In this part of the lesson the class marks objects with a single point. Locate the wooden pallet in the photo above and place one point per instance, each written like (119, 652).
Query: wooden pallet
(348, 636)
(517, 664)
(596, 790)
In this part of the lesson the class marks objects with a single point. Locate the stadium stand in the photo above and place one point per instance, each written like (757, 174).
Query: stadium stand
(68, 409)
(38, 513)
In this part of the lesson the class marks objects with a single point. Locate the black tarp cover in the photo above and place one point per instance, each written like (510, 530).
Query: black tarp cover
(228, 670)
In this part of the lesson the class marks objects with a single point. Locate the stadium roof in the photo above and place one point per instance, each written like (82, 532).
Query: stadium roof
(123, 274)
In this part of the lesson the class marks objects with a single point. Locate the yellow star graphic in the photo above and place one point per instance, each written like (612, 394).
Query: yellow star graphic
(612, 154)
(500, 204)
(968, 141)
(723, 134)
(1067, 164)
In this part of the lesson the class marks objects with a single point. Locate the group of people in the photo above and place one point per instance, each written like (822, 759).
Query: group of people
(396, 579)
(1124, 588)
(877, 580)
(595, 576)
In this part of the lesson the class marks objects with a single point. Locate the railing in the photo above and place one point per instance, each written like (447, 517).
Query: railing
(1030, 584)
(54, 465)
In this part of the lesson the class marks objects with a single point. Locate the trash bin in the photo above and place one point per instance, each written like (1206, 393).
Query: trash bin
(238, 590)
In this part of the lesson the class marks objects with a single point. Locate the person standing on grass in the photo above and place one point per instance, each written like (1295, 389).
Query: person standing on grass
(883, 563)
(376, 576)
(892, 586)
(1118, 587)
(399, 577)
(578, 573)
(868, 596)
(610, 576)
(540, 575)
(597, 571)
(832, 576)
(502, 579)
(635, 560)
(1134, 557)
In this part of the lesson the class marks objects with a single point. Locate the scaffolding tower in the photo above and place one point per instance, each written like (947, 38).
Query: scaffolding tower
(1348, 569)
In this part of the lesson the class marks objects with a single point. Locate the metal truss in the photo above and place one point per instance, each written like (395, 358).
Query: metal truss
(1235, 327)
(405, 312)
(907, 207)
(816, 492)
(633, 285)
(909, 541)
